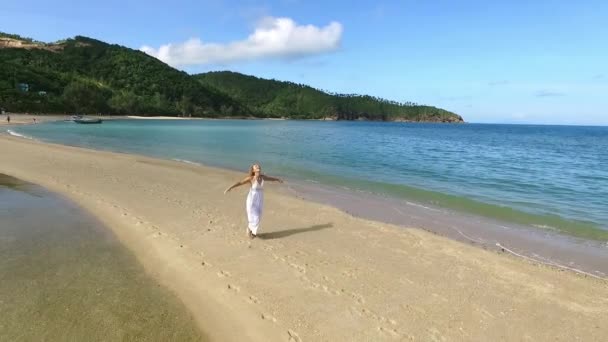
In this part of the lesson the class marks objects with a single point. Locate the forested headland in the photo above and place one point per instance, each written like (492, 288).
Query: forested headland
(84, 75)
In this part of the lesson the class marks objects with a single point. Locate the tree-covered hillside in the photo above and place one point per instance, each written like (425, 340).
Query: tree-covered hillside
(84, 75)
(270, 98)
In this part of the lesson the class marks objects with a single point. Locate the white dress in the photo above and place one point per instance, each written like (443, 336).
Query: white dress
(255, 203)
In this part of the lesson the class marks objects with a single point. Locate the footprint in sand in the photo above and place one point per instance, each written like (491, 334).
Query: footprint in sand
(357, 297)
(364, 312)
(268, 317)
(233, 288)
(389, 332)
(297, 267)
(349, 274)
(292, 336)
(253, 300)
(328, 279)
(223, 274)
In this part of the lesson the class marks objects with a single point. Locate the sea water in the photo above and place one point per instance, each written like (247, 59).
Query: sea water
(550, 177)
(65, 277)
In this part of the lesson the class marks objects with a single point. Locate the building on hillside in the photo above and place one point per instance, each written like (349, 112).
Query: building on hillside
(24, 87)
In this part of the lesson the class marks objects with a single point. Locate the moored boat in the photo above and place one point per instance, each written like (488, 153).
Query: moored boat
(87, 121)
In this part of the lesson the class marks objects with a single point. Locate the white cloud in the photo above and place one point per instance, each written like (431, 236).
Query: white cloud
(272, 37)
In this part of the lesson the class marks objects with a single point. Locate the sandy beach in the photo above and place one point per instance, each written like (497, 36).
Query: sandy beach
(316, 273)
(27, 119)
(156, 117)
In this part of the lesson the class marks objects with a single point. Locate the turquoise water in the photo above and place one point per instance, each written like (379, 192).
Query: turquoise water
(553, 177)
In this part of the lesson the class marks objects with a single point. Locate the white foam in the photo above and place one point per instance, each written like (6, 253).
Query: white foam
(15, 134)
(550, 263)
(544, 226)
(421, 206)
(187, 161)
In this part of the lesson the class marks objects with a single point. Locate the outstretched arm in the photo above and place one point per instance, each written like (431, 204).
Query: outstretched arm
(273, 179)
(237, 184)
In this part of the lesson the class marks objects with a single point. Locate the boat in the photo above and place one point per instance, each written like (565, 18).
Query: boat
(87, 120)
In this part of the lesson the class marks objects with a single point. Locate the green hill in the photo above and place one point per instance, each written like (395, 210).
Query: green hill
(276, 99)
(85, 75)
(90, 76)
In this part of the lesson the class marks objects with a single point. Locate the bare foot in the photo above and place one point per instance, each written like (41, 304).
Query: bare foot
(250, 234)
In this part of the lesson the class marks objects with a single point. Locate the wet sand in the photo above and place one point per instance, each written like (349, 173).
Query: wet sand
(65, 277)
(587, 257)
(316, 273)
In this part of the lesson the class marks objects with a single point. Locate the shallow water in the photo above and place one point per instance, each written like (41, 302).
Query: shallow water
(64, 277)
(588, 257)
(553, 177)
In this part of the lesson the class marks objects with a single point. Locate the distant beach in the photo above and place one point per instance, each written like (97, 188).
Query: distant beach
(26, 119)
(316, 273)
(156, 117)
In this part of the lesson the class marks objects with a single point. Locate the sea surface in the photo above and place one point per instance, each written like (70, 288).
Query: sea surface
(65, 277)
(549, 177)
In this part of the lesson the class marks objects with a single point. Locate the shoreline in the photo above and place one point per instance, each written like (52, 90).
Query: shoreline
(54, 117)
(174, 267)
(585, 227)
(76, 271)
(551, 247)
(313, 262)
(18, 119)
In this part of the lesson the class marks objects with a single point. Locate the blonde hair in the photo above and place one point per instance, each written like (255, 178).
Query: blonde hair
(251, 172)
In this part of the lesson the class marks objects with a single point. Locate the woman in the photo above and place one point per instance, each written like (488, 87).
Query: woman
(255, 198)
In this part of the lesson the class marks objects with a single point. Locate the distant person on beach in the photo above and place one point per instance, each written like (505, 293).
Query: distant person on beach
(8, 118)
(255, 198)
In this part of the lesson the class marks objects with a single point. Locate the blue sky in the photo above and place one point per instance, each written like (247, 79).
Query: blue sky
(513, 61)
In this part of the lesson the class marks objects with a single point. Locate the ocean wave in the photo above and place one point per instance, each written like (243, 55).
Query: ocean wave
(546, 227)
(421, 206)
(187, 161)
(15, 134)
